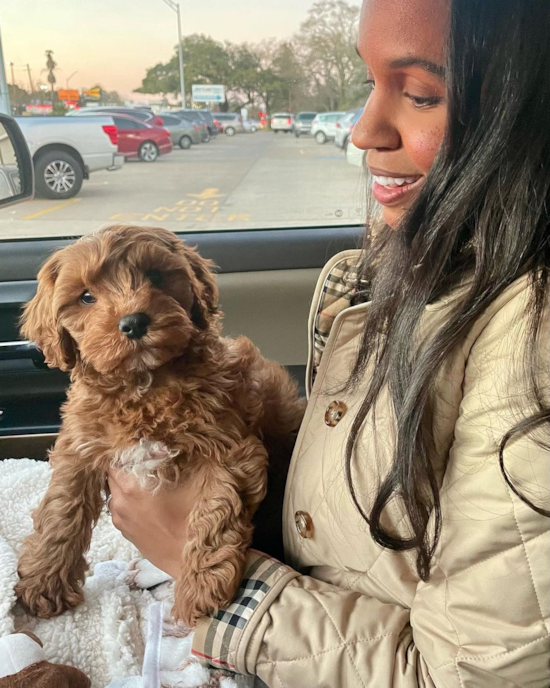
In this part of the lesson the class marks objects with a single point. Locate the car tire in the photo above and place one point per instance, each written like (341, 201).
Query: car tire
(206, 138)
(230, 131)
(321, 138)
(345, 146)
(185, 143)
(148, 151)
(275, 131)
(58, 174)
(297, 134)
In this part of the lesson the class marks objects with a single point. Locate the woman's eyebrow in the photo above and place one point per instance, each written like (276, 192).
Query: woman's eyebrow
(426, 65)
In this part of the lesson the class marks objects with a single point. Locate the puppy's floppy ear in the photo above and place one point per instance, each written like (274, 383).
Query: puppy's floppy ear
(39, 324)
(205, 289)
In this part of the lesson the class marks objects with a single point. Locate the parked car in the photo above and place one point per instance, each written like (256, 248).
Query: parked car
(141, 140)
(231, 123)
(182, 132)
(344, 127)
(323, 127)
(356, 156)
(282, 121)
(207, 117)
(251, 126)
(142, 114)
(66, 151)
(303, 122)
(193, 117)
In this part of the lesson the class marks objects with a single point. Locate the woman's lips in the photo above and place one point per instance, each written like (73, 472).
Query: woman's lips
(392, 189)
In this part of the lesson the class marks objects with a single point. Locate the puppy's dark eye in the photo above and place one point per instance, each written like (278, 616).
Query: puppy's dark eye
(155, 277)
(87, 299)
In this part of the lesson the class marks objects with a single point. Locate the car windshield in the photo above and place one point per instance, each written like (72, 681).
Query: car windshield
(237, 149)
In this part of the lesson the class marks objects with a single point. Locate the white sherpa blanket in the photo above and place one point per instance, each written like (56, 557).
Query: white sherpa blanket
(105, 637)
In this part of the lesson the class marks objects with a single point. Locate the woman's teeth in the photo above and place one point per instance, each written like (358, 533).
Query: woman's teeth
(393, 182)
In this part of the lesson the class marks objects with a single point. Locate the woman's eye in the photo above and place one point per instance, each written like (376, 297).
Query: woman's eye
(87, 299)
(369, 82)
(423, 101)
(155, 277)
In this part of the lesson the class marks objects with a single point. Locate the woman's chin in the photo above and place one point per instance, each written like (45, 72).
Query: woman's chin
(393, 216)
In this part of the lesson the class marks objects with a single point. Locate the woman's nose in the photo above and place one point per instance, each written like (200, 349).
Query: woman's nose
(375, 129)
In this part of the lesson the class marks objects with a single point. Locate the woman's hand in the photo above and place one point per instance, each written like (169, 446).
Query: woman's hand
(155, 523)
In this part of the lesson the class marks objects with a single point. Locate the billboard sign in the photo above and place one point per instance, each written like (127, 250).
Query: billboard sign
(68, 94)
(208, 94)
(93, 93)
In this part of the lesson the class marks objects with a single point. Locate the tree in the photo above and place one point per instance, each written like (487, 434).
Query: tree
(326, 47)
(206, 62)
(318, 69)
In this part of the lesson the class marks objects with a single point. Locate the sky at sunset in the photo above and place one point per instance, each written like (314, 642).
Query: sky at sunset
(112, 42)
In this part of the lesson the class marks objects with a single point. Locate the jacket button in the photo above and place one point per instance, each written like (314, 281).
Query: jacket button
(304, 524)
(334, 413)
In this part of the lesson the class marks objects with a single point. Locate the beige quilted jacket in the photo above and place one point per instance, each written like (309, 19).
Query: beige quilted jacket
(351, 614)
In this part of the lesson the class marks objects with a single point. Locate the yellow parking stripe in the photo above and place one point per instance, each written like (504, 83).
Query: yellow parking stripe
(51, 209)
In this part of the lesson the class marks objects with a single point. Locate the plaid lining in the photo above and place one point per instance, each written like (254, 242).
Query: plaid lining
(342, 284)
(225, 629)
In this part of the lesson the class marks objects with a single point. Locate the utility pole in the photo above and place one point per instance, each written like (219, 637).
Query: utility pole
(51, 64)
(69, 78)
(30, 78)
(10, 64)
(175, 6)
(5, 105)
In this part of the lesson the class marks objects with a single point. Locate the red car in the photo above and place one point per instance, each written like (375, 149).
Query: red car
(137, 139)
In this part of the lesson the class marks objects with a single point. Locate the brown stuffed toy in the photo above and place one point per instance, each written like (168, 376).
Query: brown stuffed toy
(23, 665)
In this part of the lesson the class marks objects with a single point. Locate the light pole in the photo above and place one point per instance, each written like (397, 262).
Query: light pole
(68, 79)
(11, 64)
(175, 6)
(5, 105)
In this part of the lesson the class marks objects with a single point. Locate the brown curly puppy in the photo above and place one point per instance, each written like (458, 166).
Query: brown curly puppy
(133, 313)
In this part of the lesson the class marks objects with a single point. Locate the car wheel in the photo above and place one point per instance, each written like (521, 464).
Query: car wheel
(58, 175)
(275, 131)
(185, 143)
(320, 138)
(346, 144)
(286, 131)
(230, 131)
(148, 151)
(253, 130)
(206, 137)
(297, 134)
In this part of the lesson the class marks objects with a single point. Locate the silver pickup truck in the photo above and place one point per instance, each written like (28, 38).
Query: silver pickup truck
(66, 150)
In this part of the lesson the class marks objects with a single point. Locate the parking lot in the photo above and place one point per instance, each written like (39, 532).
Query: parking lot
(248, 181)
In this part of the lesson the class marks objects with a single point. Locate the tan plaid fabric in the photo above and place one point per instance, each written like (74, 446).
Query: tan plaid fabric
(217, 639)
(342, 284)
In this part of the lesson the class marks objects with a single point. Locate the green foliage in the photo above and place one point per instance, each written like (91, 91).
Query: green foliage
(317, 69)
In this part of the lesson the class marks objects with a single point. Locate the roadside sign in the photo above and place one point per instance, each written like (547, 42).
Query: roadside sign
(68, 94)
(93, 93)
(208, 94)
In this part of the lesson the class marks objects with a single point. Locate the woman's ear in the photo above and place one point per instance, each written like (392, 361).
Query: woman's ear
(39, 323)
(205, 289)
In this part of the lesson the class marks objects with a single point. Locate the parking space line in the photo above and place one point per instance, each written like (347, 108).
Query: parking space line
(51, 209)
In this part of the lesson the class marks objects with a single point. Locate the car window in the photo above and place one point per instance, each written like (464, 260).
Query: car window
(171, 121)
(127, 124)
(256, 76)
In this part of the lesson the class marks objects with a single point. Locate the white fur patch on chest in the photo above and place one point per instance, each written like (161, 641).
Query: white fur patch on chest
(144, 461)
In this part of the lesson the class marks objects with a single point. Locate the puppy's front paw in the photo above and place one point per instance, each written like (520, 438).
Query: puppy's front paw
(47, 597)
(202, 593)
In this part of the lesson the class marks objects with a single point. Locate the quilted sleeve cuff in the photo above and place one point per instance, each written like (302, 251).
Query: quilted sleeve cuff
(221, 641)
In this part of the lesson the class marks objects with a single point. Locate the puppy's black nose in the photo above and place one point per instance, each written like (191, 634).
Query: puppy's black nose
(134, 326)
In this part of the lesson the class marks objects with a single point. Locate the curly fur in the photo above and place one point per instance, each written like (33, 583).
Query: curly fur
(180, 403)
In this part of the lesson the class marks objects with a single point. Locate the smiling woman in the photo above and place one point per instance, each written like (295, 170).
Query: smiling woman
(416, 517)
(404, 121)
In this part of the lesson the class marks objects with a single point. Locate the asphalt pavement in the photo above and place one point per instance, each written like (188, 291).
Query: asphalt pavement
(259, 180)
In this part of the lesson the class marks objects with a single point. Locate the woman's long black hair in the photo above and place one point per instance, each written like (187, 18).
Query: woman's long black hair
(482, 214)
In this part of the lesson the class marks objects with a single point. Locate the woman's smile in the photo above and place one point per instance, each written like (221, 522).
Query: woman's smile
(390, 188)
